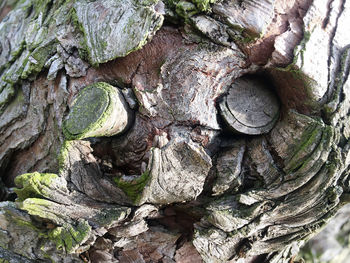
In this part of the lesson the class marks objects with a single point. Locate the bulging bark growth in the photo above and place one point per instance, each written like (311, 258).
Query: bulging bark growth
(171, 131)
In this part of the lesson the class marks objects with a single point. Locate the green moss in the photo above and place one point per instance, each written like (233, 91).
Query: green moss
(130, 30)
(302, 47)
(248, 38)
(33, 185)
(328, 110)
(16, 53)
(41, 6)
(139, 23)
(68, 237)
(133, 188)
(85, 118)
(298, 51)
(185, 10)
(107, 216)
(39, 35)
(204, 5)
(68, 234)
(333, 194)
(304, 161)
(15, 216)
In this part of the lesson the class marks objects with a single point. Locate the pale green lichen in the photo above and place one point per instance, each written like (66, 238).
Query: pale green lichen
(63, 156)
(33, 185)
(25, 224)
(133, 188)
(17, 52)
(41, 208)
(32, 27)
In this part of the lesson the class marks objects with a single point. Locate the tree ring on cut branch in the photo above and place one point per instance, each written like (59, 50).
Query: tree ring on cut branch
(99, 110)
(250, 107)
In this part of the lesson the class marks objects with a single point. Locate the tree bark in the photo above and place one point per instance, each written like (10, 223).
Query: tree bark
(172, 131)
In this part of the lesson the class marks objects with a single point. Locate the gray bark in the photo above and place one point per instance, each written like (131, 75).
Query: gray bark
(172, 131)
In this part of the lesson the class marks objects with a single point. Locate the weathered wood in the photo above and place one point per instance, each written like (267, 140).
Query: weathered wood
(224, 138)
(177, 173)
(248, 17)
(331, 245)
(250, 107)
(116, 28)
(229, 168)
(99, 110)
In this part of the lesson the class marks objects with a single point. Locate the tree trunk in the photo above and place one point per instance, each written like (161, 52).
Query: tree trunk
(171, 131)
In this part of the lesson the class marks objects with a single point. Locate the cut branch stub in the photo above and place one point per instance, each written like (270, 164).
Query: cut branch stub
(99, 110)
(250, 107)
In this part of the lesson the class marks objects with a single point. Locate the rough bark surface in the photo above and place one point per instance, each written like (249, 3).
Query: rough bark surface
(173, 131)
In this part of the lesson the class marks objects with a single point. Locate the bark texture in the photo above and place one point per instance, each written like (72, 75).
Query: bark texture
(172, 131)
